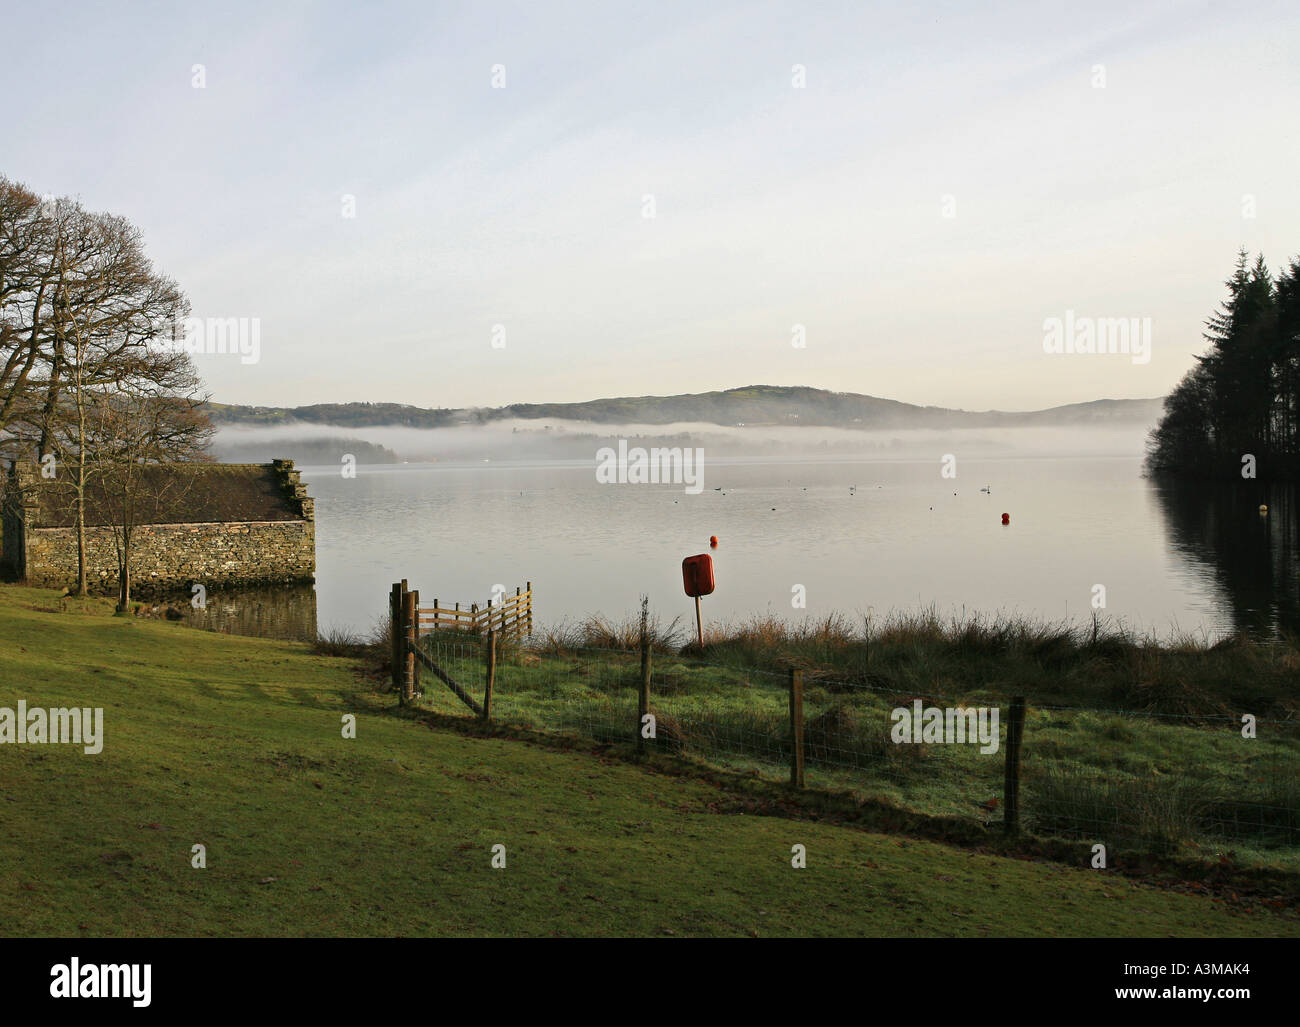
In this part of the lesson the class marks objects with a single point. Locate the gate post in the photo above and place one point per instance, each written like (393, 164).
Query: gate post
(395, 637)
(491, 673)
(408, 654)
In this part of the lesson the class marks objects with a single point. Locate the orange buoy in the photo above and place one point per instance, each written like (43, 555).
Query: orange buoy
(1006, 518)
(713, 541)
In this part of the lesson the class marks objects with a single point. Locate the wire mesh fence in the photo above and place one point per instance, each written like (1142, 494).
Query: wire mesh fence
(1162, 781)
(1159, 782)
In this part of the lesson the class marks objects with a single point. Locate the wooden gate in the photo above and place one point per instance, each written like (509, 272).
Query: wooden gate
(512, 617)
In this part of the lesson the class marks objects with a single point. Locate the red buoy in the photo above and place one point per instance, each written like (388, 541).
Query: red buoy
(697, 575)
(713, 541)
(1006, 518)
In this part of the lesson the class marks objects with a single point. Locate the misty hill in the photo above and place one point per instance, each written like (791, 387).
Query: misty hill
(230, 446)
(752, 405)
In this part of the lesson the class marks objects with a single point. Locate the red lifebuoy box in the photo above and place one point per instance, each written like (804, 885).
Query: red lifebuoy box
(697, 575)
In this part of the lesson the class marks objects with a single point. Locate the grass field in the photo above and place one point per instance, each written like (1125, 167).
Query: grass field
(1184, 783)
(236, 744)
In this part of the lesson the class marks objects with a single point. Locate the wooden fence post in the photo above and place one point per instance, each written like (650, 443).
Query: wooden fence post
(529, 589)
(401, 620)
(408, 656)
(491, 673)
(395, 631)
(415, 640)
(643, 695)
(1011, 781)
(796, 728)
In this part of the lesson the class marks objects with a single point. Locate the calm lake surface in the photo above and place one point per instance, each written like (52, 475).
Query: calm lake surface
(1172, 559)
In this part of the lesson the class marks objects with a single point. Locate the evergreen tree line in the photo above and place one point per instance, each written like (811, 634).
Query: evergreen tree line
(1242, 399)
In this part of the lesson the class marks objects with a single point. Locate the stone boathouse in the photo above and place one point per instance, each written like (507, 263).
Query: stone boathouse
(211, 524)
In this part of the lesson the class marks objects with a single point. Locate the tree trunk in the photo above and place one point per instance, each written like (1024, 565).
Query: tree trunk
(124, 570)
(45, 443)
(81, 502)
(81, 539)
(124, 584)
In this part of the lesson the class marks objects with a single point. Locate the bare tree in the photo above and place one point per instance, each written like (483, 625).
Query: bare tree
(112, 321)
(27, 273)
(89, 371)
(148, 432)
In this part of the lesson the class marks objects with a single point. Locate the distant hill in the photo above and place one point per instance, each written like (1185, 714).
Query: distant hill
(752, 405)
(230, 447)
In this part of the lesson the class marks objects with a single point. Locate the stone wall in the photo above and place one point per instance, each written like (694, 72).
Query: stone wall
(40, 541)
(172, 557)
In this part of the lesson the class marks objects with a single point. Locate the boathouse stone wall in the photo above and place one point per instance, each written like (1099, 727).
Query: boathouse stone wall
(169, 557)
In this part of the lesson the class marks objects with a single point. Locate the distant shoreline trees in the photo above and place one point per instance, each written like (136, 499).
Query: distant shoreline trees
(1238, 409)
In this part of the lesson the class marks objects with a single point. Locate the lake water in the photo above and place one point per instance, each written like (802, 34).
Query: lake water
(1170, 559)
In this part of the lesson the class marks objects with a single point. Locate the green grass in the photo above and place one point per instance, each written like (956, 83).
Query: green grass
(1182, 784)
(235, 743)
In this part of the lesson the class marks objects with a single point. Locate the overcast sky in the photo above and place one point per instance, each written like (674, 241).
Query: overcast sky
(948, 177)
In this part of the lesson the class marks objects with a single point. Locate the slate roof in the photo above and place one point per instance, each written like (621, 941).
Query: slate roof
(178, 494)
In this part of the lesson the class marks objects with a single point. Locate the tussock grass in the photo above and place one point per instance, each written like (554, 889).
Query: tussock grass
(1103, 665)
(375, 644)
(598, 632)
(336, 641)
(1077, 802)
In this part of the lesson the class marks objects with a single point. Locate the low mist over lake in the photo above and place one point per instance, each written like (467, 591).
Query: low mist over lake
(571, 440)
(863, 519)
(863, 534)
